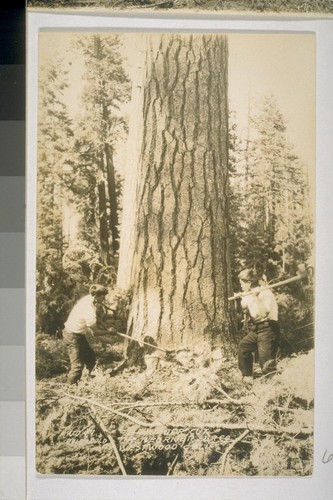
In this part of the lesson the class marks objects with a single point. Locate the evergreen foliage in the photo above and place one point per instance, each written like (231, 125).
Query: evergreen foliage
(100, 127)
(192, 415)
(270, 200)
(55, 142)
(76, 215)
(270, 219)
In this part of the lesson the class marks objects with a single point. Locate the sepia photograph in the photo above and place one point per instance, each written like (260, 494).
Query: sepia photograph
(175, 254)
(252, 7)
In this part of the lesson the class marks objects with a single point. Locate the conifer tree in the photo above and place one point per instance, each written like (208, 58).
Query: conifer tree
(271, 197)
(55, 142)
(101, 125)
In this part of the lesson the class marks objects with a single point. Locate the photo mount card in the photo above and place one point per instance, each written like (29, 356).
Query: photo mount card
(157, 129)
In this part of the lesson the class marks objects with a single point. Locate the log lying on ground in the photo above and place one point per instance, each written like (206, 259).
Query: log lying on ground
(252, 427)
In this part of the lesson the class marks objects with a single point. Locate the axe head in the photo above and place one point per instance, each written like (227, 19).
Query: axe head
(149, 349)
(302, 271)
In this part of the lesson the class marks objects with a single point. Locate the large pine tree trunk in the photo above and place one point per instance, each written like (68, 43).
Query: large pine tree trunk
(181, 269)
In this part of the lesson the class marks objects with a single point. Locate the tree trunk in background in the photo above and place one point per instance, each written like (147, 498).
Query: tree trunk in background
(112, 198)
(181, 270)
(103, 224)
(133, 149)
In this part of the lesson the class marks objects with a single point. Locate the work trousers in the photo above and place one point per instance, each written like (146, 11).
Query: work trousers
(80, 355)
(264, 338)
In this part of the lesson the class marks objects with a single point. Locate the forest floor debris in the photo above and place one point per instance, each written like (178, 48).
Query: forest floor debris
(191, 417)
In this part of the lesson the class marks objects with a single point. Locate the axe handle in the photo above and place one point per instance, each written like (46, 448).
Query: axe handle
(140, 341)
(135, 340)
(267, 287)
(131, 338)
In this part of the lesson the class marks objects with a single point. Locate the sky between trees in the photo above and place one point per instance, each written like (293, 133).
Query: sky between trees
(259, 64)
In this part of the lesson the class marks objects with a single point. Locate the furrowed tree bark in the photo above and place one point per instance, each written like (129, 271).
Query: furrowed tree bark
(181, 268)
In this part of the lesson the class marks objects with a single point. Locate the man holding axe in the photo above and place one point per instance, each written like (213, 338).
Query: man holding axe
(263, 336)
(83, 319)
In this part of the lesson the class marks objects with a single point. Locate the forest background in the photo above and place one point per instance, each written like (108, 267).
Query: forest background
(80, 197)
(90, 121)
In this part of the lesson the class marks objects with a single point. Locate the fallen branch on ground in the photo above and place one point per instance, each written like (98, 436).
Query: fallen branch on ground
(232, 400)
(225, 402)
(172, 466)
(104, 430)
(142, 404)
(246, 426)
(228, 450)
(223, 425)
(107, 408)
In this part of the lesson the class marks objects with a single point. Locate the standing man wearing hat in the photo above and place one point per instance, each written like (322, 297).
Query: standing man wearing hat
(83, 319)
(264, 331)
